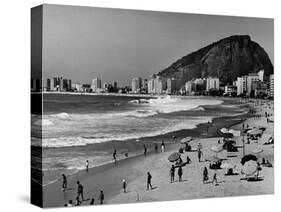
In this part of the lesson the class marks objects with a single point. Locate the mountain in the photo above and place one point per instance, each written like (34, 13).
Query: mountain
(227, 59)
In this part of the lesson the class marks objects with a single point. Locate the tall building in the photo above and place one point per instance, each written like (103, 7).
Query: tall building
(150, 86)
(136, 85)
(261, 75)
(271, 85)
(252, 77)
(171, 85)
(241, 84)
(212, 83)
(96, 84)
(188, 87)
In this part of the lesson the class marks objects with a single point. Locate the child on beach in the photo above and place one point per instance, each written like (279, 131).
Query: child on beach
(148, 184)
(64, 182)
(101, 197)
(124, 185)
(80, 191)
(172, 173)
(156, 147)
(92, 201)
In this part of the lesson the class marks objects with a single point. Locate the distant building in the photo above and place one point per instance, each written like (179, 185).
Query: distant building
(230, 90)
(136, 85)
(212, 83)
(162, 86)
(251, 78)
(76, 87)
(52, 84)
(96, 84)
(271, 85)
(261, 75)
(150, 86)
(188, 87)
(241, 84)
(171, 85)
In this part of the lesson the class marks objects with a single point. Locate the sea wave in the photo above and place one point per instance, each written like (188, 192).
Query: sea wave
(65, 141)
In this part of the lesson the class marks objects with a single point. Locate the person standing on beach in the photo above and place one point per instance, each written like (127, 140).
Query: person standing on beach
(180, 173)
(64, 182)
(205, 175)
(148, 184)
(87, 165)
(162, 146)
(124, 185)
(200, 153)
(115, 156)
(172, 173)
(144, 150)
(156, 148)
(80, 191)
(101, 197)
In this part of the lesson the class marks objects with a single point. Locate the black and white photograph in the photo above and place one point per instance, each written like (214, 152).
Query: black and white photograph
(131, 106)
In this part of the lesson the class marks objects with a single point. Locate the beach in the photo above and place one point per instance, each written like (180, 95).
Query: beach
(134, 170)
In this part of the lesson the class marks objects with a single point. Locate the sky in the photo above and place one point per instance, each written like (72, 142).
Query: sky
(81, 43)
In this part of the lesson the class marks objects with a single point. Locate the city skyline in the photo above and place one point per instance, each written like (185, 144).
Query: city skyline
(149, 41)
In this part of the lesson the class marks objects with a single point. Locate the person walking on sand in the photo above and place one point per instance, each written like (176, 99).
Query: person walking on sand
(87, 165)
(180, 173)
(101, 197)
(115, 156)
(215, 179)
(144, 150)
(200, 153)
(172, 173)
(205, 175)
(80, 191)
(148, 184)
(124, 185)
(64, 182)
(162, 146)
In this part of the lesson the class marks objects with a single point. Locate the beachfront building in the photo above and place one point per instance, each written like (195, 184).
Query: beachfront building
(261, 75)
(76, 87)
(212, 83)
(188, 87)
(144, 86)
(171, 85)
(150, 86)
(230, 90)
(251, 79)
(241, 84)
(271, 85)
(136, 84)
(96, 84)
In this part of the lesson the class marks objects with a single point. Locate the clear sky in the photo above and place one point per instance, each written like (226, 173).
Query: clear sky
(81, 43)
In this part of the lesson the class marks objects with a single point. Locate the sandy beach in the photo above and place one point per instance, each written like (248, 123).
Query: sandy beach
(109, 177)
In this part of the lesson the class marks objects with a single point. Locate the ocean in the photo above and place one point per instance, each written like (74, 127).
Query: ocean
(77, 128)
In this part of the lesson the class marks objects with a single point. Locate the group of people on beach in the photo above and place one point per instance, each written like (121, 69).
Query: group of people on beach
(80, 194)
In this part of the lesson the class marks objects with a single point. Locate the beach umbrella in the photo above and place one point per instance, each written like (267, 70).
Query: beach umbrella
(224, 130)
(216, 148)
(227, 166)
(174, 157)
(213, 159)
(257, 150)
(186, 140)
(255, 132)
(248, 158)
(250, 168)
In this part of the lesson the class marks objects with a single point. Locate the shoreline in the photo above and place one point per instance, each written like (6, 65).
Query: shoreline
(199, 132)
